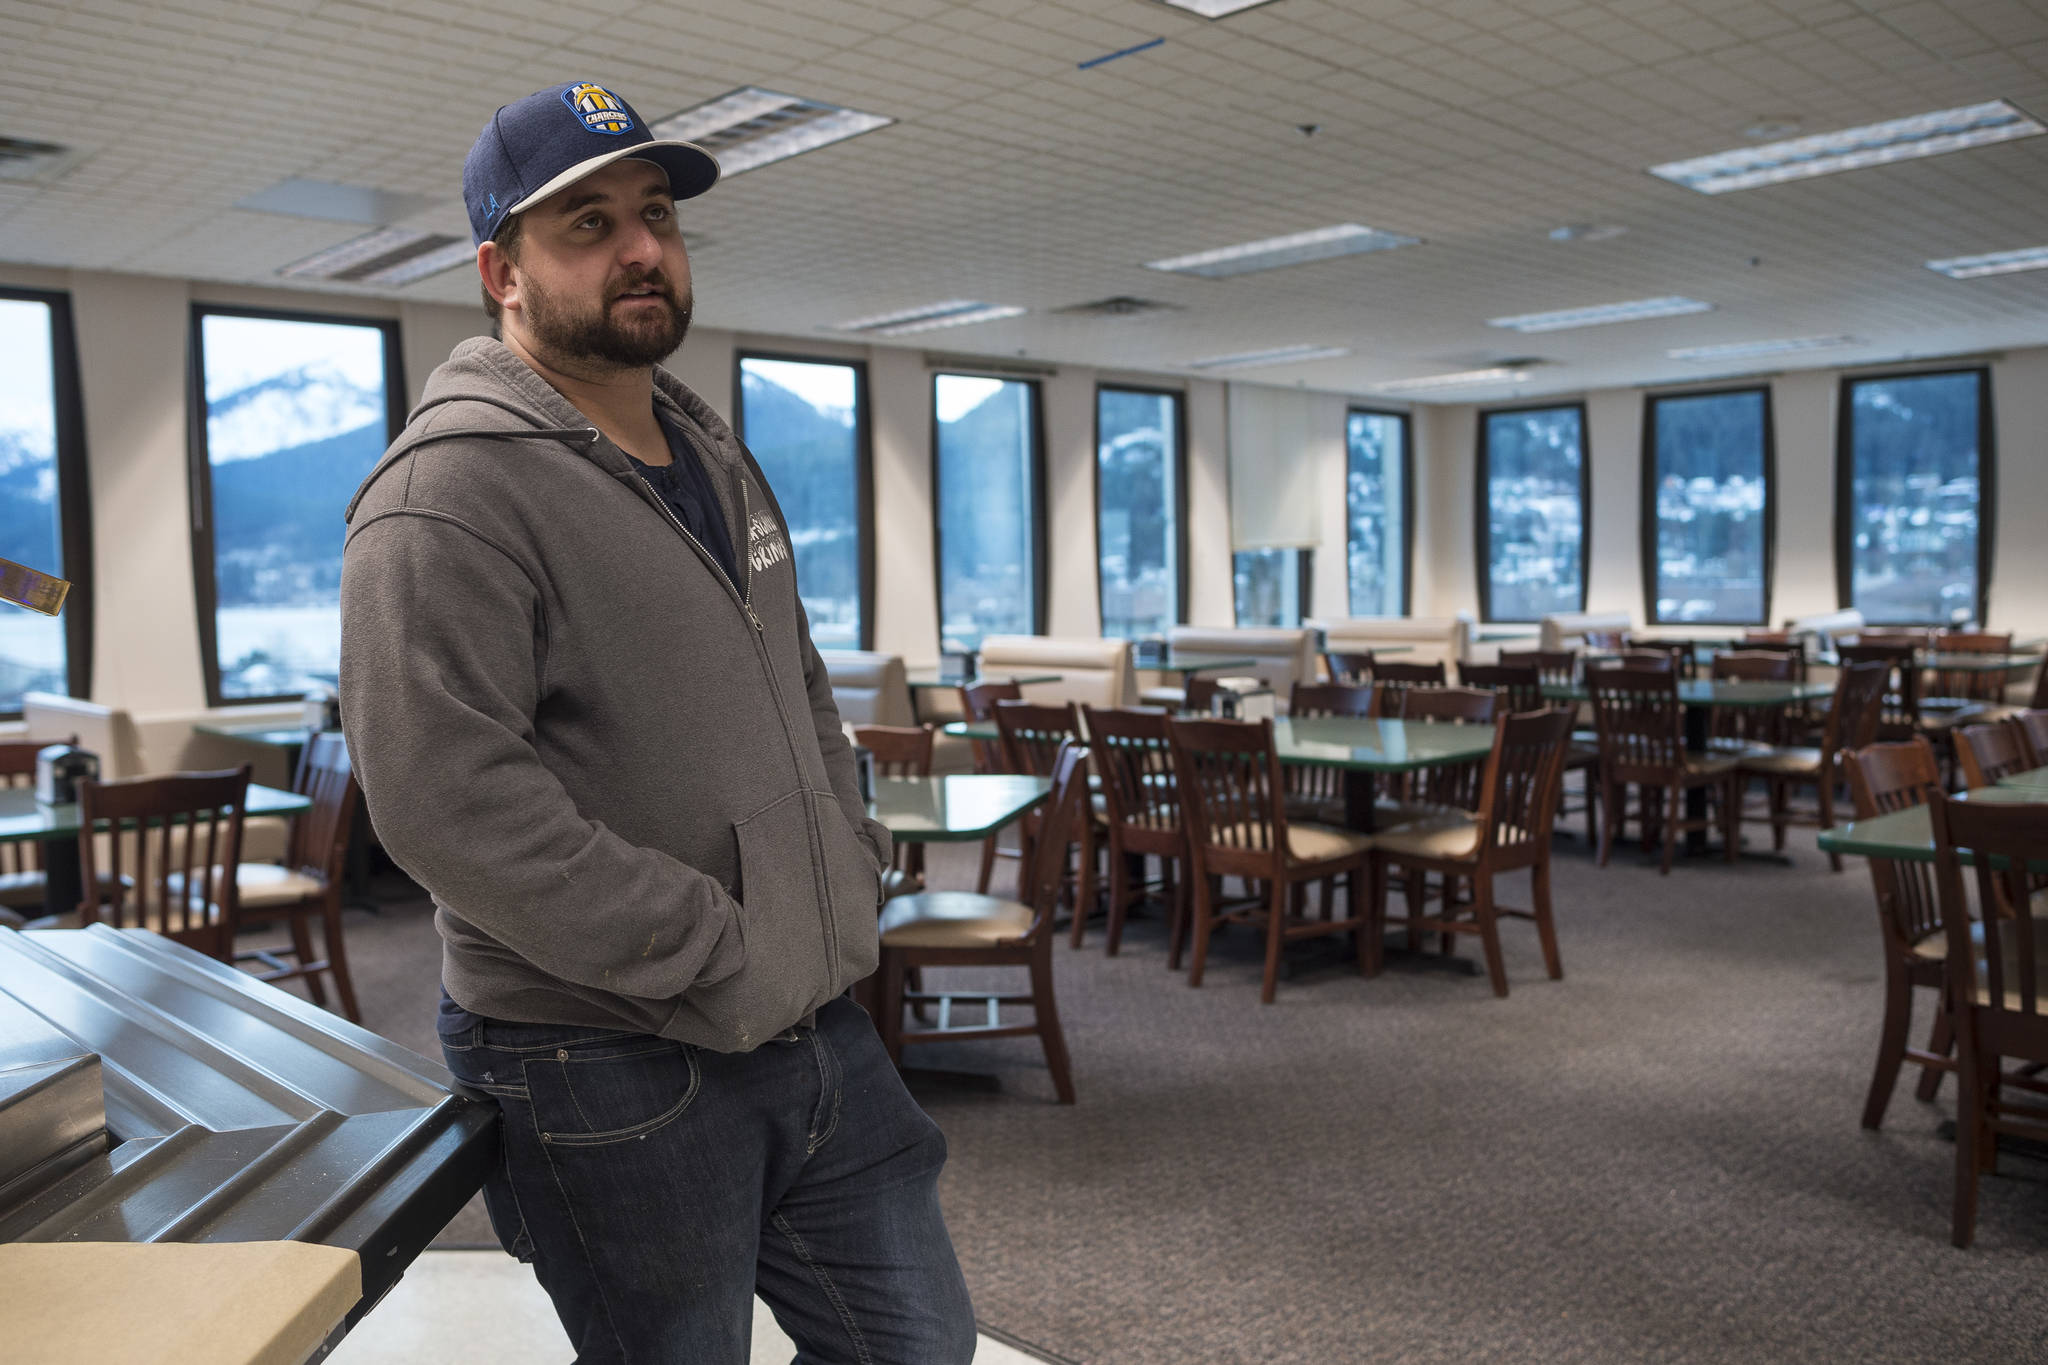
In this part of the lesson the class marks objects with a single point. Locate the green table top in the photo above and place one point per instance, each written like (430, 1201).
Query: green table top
(1706, 692)
(1961, 663)
(22, 818)
(1187, 664)
(932, 678)
(259, 732)
(2035, 779)
(1381, 746)
(1908, 834)
(955, 808)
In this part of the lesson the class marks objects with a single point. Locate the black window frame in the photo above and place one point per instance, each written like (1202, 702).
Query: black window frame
(1407, 504)
(1845, 482)
(1041, 568)
(1304, 583)
(1483, 505)
(1649, 501)
(200, 465)
(864, 457)
(1180, 491)
(74, 489)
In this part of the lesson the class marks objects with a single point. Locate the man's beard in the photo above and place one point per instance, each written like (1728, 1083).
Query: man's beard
(600, 337)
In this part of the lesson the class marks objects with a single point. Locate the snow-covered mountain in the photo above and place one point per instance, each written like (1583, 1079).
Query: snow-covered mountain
(296, 407)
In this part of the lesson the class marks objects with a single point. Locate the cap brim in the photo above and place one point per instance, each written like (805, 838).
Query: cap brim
(691, 170)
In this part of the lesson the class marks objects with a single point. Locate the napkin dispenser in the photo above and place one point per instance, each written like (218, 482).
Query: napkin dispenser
(58, 769)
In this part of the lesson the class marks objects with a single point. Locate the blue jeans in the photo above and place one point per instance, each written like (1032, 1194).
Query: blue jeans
(657, 1187)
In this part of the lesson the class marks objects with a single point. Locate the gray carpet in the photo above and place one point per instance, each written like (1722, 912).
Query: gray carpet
(1655, 1159)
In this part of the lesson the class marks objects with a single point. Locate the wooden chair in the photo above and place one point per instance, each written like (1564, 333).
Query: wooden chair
(1519, 687)
(1133, 757)
(1737, 728)
(160, 832)
(968, 929)
(1684, 654)
(1031, 737)
(1510, 831)
(21, 873)
(1642, 660)
(1447, 784)
(2039, 701)
(1557, 667)
(1956, 689)
(1353, 667)
(1884, 778)
(2033, 723)
(1991, 752)
(1851, 723)
(1198, 698)
(900, 751)
(1316, 793)
(1392, 678)
(1233, 799)
(1900, 718)
(978, 703)
(1994, 975)
(307, 886)
(1560, 668)
(1642, 741)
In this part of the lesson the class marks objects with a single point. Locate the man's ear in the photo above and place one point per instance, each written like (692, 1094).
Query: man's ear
(494, 265)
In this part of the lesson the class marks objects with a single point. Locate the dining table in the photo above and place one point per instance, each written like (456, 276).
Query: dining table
(1907, 834)
(955, 807)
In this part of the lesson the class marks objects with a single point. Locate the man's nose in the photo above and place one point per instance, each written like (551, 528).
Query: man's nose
(639, 246)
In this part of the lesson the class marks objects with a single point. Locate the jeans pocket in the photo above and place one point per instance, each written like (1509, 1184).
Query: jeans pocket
(615, 1093)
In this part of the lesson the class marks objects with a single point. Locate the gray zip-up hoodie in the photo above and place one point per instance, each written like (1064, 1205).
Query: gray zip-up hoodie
(621, 775)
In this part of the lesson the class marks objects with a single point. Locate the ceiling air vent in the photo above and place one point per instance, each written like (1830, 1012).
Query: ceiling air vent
(23, 159)
(1117, 306)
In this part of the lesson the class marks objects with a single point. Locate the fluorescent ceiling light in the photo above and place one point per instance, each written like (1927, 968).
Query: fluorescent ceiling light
(1278, 356)
(751, 127)
(1876, 144)
(1997, 263)
(1499, 374)
(1215, 9)
(378, 257)
(1321, 244)
(951, 313)
(1733, 349)
(1671, 305)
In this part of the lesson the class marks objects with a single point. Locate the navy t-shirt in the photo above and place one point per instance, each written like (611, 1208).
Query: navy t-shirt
(686, 488)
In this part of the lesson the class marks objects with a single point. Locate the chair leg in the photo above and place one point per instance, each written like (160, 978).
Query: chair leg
(1415, 887)
(337, 960)
(1731, 818)
(1119, 897)
(302, 949)
(1827, 815)
(1891, 1044)
(1939, 1043)
(1969, 1123)
(1489, 930)
(1357, 905)
(1084, 882)
(1376, 915)
(889, 1019)
(1183, 909)
(1205, 891)
(988, 865)
(1777, 789)
(1546, 925)
(1048, 1017)
(1276, 936)
(1674, 799)
(1609, 809)
(1595, 797)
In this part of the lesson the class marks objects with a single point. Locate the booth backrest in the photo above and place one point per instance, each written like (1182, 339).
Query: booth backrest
(1284, 657)
(1827, 624)
(870, 688)
(1428, 639)
(107, 731)
(1092, 672)
(1567, 629)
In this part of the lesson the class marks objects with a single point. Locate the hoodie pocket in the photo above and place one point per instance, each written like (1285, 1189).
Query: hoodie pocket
(854, 895)
(782, 920)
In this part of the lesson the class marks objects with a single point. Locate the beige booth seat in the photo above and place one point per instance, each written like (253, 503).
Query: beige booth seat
(1093, 672)
(870, 688)
(1828, 625)
(1568, 629)
(1427, 639)
(1282, 658)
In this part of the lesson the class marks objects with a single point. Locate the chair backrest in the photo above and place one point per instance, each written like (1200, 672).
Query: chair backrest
(165, 837)
(1133, 756)
(1461, 705)
(2033, 724)
(1684, 654)
(319, 842)
(1559, 667)
(2001, 978)
(1969, 684)
(1092, 670)
(1198, 698)
(2039, 701)
(1232, 794)
(1990, 752)
(1753, 665)
(1392, 676)
(1643, 660)
(1348, 666)
(869, 687)
(1032, 734)
(1519, 687)
(1857, 709)
(978, 702)
(1769, 637)
(1973, 642)
(1885, 778)
(1518, 793)
(1639, 721)
(1773, 642)
(898, 750)
(1281, 658)
(1900, 718)
(1333, 699)
(1576, 629)
(1059, 827)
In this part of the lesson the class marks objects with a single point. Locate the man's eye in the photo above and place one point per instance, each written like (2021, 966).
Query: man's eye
(659, 212)
(594, 220)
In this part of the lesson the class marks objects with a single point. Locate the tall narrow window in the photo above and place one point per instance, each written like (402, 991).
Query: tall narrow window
(1706, 504)
(1376, 512)
(296, 411)
(1916, 469)
(803, 420)
(42, 495)
(1137, 510)
(991, 552)
(1270, 586)
(1532, 512)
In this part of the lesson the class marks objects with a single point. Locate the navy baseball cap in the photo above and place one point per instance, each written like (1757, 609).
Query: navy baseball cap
(550, 140)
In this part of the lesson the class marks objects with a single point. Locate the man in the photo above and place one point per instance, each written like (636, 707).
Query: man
(588, 717)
